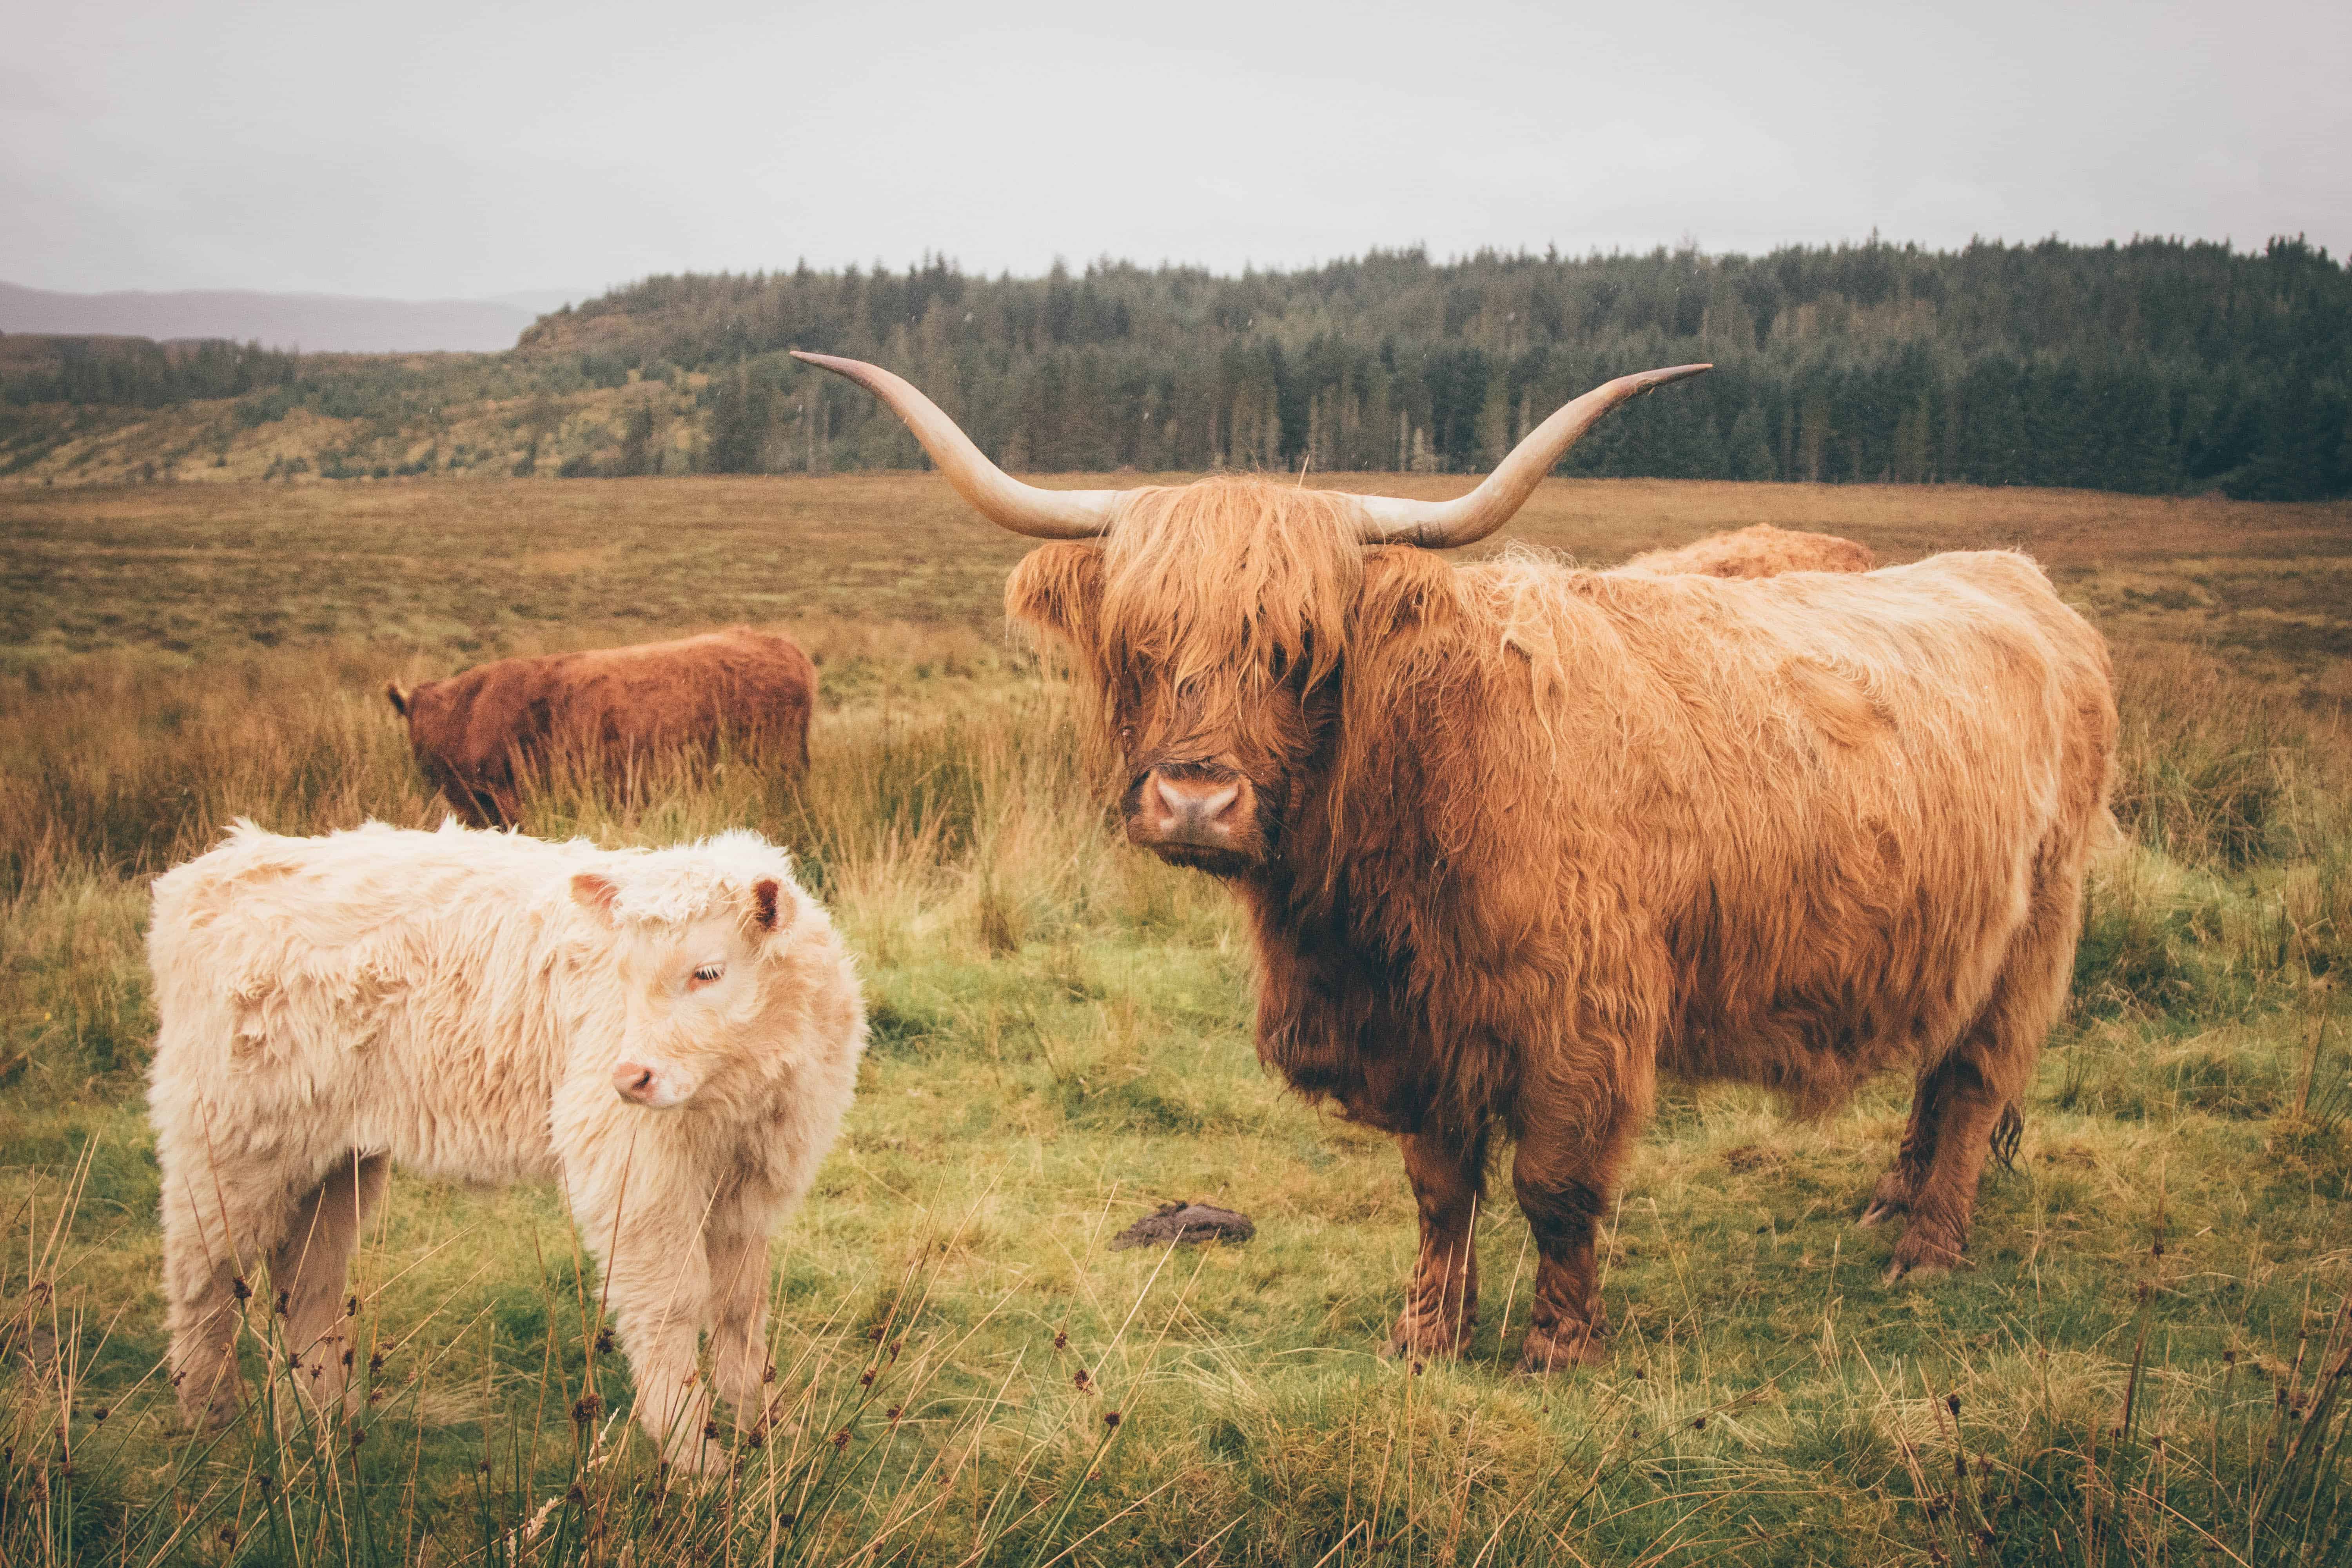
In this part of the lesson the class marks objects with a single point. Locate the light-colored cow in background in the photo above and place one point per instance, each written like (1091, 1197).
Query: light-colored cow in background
(673, 1035)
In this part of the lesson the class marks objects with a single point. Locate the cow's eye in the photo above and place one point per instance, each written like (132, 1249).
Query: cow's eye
(709, 971)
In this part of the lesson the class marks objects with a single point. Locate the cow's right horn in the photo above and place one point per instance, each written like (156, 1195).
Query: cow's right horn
(1446, 524)
(998, 496)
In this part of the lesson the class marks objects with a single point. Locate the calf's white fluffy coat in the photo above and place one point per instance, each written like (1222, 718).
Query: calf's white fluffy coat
(672, 1035)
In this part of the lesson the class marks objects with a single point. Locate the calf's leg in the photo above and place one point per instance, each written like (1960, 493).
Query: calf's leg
(310, 1267)
(738, 1312)
(218, 1223)
(1448, 1173)
(656, 1278)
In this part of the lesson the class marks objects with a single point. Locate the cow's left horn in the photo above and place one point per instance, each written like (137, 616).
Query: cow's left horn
(999, 497)
(1443, 524)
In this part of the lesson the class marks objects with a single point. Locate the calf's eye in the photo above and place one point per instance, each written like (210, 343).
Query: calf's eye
(709, 971)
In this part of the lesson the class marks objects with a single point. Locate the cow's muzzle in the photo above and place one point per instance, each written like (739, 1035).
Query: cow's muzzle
(1195, 816)
(656, 1085)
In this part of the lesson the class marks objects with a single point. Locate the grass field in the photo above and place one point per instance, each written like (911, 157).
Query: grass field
(2144, 1364)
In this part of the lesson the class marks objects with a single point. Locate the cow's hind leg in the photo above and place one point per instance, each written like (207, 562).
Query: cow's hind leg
(1441, 1305)
(1966, 1103)
(1892, 1197)
(217, 1225)
(308, 1269)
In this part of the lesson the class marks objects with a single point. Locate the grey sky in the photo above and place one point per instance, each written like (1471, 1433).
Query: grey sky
(468, 150)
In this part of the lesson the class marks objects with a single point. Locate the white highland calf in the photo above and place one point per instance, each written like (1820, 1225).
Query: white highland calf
(673, 1035)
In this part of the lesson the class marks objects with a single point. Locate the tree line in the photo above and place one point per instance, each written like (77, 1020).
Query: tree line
(2157, 366)
(136, 372)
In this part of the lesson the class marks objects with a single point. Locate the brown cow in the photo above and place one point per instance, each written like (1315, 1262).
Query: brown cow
(1515, 836)
(1759, 550)
(473, 731)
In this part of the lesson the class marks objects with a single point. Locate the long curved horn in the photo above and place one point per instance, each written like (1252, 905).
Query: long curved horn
(997, 495)
(1444, 524)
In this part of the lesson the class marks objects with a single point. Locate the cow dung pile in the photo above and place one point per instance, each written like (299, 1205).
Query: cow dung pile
(1175, 1222)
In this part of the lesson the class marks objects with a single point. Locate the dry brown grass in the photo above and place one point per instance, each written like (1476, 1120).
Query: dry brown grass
(465, 564)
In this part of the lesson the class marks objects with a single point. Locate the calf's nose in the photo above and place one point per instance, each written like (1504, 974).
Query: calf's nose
(1184, 809)
(636, 1084)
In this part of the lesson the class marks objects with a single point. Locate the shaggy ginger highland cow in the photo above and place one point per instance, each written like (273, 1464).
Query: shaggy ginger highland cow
(1516, 837)
(673, 1035)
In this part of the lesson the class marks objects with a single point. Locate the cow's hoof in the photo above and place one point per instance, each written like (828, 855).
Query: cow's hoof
(1918, 1261)
(697, 1463)
(1423, 1340)
(1561, 1351)
(212, 1416)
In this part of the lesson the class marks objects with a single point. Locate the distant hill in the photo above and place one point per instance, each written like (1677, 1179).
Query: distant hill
(327, 323)
(2163, 366)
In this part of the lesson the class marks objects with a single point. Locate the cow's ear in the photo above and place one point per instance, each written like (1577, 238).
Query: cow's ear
(398, 698)
(1405, 589)
(1058, 590)
(764, 894)
(595, 893)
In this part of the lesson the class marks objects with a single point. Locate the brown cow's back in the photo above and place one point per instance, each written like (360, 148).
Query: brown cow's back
(613, 706)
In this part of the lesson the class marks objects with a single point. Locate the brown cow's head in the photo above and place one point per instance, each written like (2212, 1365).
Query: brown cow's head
(1214, 620)
(1209, 625)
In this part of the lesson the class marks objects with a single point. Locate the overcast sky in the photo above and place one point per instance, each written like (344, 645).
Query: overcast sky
(434, 150)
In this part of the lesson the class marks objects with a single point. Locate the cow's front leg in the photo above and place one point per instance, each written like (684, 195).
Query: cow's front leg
(738, 1311)
(1441, 1305)
(1565, 1173)
(658, 1286)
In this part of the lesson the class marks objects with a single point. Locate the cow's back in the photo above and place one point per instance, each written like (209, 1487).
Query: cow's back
(1760, 550)
(339, 984)
(756, 687)
(608, 708)
(1786, 826)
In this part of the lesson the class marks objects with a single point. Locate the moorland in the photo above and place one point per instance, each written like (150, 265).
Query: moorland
(2142, 1363)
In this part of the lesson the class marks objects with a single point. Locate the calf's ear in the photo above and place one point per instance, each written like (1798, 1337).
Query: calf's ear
(596, 894)
(764, 893)
(398, 698)
(1058, 590)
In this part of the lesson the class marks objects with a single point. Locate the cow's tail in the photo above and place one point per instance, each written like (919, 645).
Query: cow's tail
(2007, 1133)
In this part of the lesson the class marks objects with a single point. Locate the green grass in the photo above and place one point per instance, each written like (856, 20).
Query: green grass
(2142, 1351)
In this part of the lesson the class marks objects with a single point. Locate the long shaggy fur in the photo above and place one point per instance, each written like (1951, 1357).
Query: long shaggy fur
(443, 1002)
(1535, 834)
(477, 733)
(1758, 551)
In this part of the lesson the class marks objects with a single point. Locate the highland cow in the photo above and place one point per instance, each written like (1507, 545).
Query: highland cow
(672, 1035)
(1758, 551)
(479, 734)
(1514, 838)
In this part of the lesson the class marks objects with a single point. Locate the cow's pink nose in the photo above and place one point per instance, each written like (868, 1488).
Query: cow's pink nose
(635, 1083)
(1204, 811)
